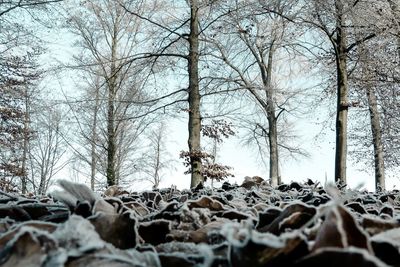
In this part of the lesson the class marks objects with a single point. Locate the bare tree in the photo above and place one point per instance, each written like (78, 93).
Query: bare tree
(247, 42)
(373, 79)
(156, 159)
(18, 79)
(47, 147)
(19, 72)
(109, 37)
(333, 20)
(94, 136)
(181, 39)
(194, 124)
(365, 83)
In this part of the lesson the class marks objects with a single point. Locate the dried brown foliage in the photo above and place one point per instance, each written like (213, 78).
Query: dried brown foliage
(293, 225)
(210, 170)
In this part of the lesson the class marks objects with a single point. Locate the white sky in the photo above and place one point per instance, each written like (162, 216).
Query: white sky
(244, 160)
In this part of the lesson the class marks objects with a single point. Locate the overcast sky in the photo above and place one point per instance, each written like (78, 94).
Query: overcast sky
(244, 160)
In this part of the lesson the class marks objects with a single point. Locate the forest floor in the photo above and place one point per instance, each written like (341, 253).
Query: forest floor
(297, 224)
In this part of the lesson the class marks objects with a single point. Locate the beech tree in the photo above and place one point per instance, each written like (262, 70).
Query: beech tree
(333, 20)
(194, 124)
(181, 41)
(374, 79)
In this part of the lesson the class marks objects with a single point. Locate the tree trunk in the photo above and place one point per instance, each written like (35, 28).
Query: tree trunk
(377, 139)
(374, 115)
(93, 160)
(42, 177)
(342, 96)
(158, 161)
(110, 140)
(52, 156)
(194, 124)
(111, 135)
(272, 119)
(46, 163)
(273, 152)
(25, 144)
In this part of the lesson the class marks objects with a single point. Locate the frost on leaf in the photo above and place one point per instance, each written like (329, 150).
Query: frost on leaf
(386, 246)
(340, 229)
(117, 229)
(251, 248)
(206, 202)
(340, 257)
(293, 225)
(27, 247)
(293, 216)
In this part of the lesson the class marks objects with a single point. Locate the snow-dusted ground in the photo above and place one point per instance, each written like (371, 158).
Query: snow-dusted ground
(248, 225)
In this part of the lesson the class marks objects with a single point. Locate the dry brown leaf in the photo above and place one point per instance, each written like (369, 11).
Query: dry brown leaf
(206, 202)
(306, 214)
(340, 229)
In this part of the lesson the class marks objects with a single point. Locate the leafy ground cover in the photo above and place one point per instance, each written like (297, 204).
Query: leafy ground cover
(297, 224)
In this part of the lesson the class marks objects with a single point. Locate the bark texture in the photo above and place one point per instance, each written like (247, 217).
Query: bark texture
(342, 95)
(377, 139)
(375, 119)
(268, 103)
(93, 154)
(194, 125)
(266, 72)
(25, 145)
(111, 133)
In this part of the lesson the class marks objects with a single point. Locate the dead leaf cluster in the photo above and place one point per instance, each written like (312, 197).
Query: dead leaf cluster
(297, 224)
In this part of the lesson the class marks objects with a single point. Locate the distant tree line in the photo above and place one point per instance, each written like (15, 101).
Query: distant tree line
(252, 65)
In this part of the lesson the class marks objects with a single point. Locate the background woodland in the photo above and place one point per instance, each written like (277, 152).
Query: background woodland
(251, 68)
